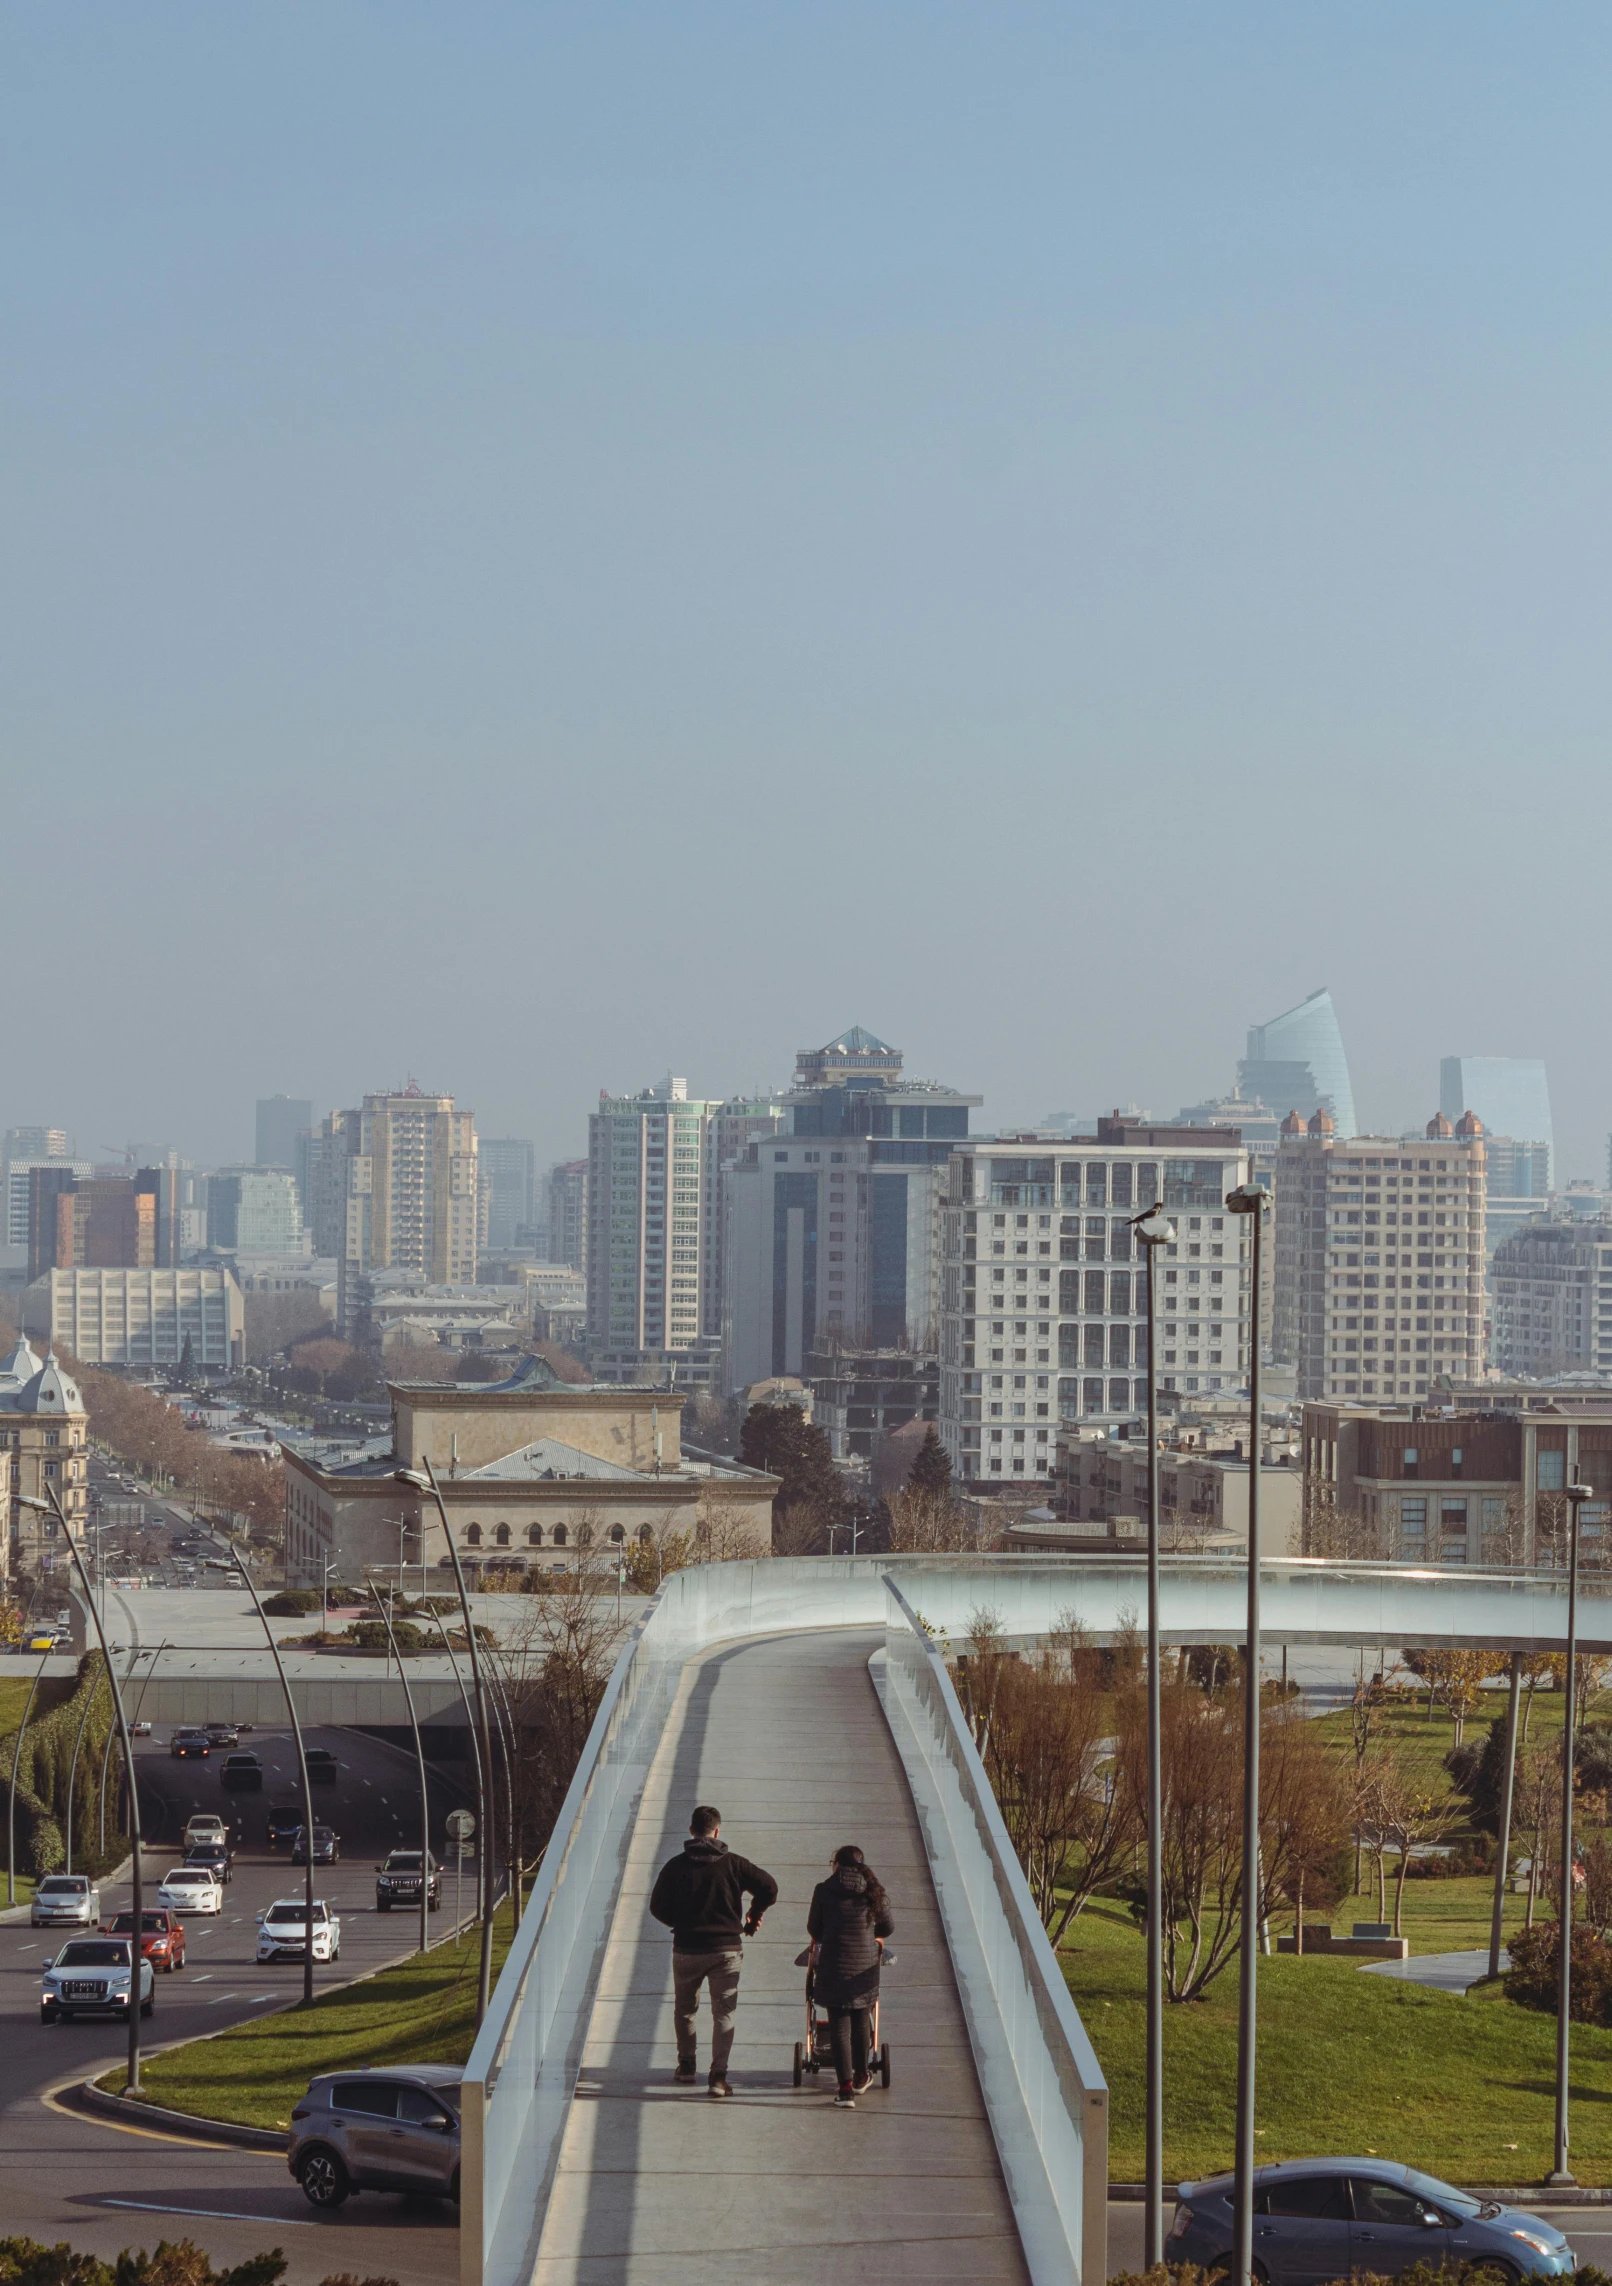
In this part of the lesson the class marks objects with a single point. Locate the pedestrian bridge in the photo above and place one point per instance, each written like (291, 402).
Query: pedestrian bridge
(809, 1699)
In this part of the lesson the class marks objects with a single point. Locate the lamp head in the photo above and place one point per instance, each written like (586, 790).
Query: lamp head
(27, 1500)
(412, 1478)
(1247, 1198)
(1578, 1492)
(1151, 1228)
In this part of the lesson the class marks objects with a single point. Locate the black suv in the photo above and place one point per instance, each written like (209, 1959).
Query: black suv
(190, 1744)
(397, 1882)
(285, 1823)
(217, 1856)
(242, 1770)
(321, 1766)
(222, 1734)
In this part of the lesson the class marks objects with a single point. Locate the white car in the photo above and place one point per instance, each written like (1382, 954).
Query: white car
(204, 1827)
(191, 1889)
(66, 1898)
(91, 1975)
(283, 1929)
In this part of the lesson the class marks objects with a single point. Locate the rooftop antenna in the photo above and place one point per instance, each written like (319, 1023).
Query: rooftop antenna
(654, 1425)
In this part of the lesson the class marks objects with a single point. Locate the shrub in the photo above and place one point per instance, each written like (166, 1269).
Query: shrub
(1532, 1979)
(292, 1603)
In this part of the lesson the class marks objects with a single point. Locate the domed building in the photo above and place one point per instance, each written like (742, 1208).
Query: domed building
(44, 1449)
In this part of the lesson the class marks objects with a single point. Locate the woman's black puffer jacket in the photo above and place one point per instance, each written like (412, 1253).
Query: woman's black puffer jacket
(843, 1924)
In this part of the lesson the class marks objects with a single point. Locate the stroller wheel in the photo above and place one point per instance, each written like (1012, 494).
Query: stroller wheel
(884, 2065)
(798, 2066)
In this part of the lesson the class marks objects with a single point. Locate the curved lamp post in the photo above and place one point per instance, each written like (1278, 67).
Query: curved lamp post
(72, 1767)
(1153, 1232)
(302, 1772)
(484, 1977)
(1249, 1199)
(16, 1765)
(419, 1757)
(1561, 2174)
(52, 1505)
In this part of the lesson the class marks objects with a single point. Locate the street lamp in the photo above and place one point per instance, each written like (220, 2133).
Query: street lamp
(419, 1757)
(1561, 2175)
(16, 1765)
(48, 1506)
(484, 1979)
(1250, 1200)
(1152, 1232)
(302, 1770)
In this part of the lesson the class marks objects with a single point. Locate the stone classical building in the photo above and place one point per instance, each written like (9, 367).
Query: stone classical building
(43, 1431)
(532, 1469)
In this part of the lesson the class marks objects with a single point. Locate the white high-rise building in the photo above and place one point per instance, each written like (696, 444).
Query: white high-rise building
(394, 1186)
(650, 1204)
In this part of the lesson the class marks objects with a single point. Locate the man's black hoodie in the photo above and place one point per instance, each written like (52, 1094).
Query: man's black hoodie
(700, 1896)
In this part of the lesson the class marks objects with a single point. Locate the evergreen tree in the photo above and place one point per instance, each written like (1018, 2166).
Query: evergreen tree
(780, 1439)
(931, 1470)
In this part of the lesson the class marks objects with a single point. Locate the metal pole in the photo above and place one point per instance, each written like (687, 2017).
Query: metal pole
(1561, 2173)
(16, 1765)
(72, 1767)
(138, 1898)
(1503, 1850)
(1153, 2193)
(419, 1756)
(302, 1769)
(1249, 1200)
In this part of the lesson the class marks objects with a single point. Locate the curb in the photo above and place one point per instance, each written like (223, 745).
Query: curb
(1511, 2194)
(86, 2096)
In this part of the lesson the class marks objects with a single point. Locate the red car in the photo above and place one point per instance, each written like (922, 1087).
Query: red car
(162, 1936)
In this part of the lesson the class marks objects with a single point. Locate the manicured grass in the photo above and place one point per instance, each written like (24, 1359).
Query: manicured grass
(420, 2012)
(53, 1690)
(1420, 1743)
(1347, 2063)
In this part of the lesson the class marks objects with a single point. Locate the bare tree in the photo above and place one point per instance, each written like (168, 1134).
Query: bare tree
(926, 1522)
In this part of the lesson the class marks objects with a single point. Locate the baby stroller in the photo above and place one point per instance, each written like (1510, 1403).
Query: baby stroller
(814, 2053)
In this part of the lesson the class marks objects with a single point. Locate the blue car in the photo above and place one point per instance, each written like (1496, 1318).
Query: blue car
(1320, 2219)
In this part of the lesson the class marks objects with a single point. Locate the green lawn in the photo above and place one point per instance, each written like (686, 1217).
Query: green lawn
(420, 2012)
(1347, 2063)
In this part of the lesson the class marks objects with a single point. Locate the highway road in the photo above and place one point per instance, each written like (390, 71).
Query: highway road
(103, 2187)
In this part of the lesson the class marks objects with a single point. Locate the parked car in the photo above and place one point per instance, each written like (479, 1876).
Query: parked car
(40, 1641)
(191, 1889)
(283, 1930)
(206, 1825)
(285, 1823)
(90, 1976)
(162, 1936)
(397, 1882)
(140, 1729)
(190, 1744)
(326, 1846)
(65, 1898)
(321, 1766)
(1324, 2218)
(395, 2129)
(242, 1771)
(215, 1857)
(222, 1734)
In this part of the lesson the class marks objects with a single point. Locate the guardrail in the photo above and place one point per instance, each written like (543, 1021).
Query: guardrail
(1043, 2086)
(522, 2069)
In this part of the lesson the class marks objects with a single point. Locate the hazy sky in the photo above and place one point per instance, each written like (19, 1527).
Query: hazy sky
(548, 543)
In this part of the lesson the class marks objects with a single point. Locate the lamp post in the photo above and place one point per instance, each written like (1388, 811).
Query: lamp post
(1152, 1232)
(1249, 1199)
(302, 1772)
(51, 1504)
(16, 1765)
(419, 1758)
(484, 1977)
(1502, 1856)
(1561, 2174)
(72, 1767)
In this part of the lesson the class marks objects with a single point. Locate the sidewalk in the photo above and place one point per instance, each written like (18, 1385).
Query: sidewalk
(660, 2184)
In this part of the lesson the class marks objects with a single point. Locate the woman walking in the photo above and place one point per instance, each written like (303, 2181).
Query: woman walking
(848, 1923)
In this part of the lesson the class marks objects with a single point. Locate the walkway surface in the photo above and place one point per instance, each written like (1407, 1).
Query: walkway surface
(659, 2183)
(1444, 1972)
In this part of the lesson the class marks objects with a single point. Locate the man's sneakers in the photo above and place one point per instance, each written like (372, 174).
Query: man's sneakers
(719, 2084)
(846, 2098)
(685, 2074)
(861, 2084)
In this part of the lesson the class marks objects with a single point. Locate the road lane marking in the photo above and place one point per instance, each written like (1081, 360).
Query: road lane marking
(212, 2214)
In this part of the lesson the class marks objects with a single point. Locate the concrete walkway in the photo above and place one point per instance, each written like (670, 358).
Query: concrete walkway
(659, 2183)
(1442, 1972)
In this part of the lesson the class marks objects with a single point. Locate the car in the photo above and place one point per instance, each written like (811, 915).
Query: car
(65, 1898)
(190, 1744)
(1324, 2218)
(321, 1765)
(282, 1930)
(391, 2129)
(216, 1857)
(90, 1976)
(285, 1822)
(397, 1882)
(140, 1729)
(326, 1846)
(206, 1825)
(222, 1734)
(242, 1771)
(40, 1641)
(162, 1938)
(191, 1889)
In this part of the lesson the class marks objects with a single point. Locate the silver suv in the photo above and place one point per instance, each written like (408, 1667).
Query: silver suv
(386, 2130)
(66, 1897)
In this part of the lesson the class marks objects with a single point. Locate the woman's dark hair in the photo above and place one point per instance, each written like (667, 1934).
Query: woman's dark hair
(878, 1903)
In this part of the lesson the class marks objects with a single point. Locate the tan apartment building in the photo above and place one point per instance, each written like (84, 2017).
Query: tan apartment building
(393, 1186)
(1380, 1271)
(1203, 1496)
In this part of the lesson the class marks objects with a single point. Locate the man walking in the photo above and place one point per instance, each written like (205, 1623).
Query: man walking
(700, 1897)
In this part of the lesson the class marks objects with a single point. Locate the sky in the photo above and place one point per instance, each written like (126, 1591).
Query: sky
(547, 544)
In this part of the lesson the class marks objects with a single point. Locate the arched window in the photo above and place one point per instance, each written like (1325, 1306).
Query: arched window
(559, 1535)
(534, 1535)
(618, 1533)
(645, 1535)
(473, 1536)
(502, 1535)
